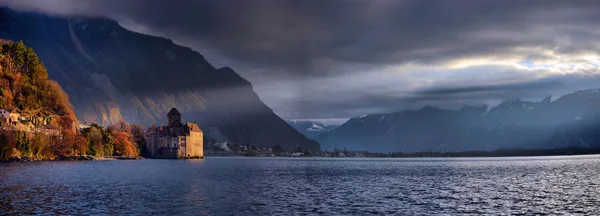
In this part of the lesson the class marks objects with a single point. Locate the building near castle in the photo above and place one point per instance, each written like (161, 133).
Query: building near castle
(175, 140)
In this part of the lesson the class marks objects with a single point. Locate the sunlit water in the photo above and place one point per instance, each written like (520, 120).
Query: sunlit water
(265, 186)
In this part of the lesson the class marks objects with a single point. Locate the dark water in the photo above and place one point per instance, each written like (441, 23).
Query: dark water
(284, 186)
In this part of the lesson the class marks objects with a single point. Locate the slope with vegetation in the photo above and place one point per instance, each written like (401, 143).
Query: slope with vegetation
(24, 84)
(26, 89)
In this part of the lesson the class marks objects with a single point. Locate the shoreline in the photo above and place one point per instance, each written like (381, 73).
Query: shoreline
(412, 157)
(514, 152)
(94, 158)
(570, 151)
(73, 158)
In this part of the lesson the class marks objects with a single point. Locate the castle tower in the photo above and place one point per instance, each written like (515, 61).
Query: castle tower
(174, 118)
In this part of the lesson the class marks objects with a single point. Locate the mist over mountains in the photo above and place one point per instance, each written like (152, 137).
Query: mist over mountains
(571, 120)
(111, 73)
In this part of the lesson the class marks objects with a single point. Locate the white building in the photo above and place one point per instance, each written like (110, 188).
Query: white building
(9, 117)
(4, 114)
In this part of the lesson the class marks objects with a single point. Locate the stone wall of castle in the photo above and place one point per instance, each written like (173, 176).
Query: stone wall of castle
(194, 144)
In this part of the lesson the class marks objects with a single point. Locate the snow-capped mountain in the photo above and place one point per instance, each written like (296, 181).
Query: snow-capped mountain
(571, 120)
(311, 129)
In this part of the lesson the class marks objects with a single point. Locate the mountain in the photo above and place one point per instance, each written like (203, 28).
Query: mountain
(571, 120)
(111, 73)
(310, 129)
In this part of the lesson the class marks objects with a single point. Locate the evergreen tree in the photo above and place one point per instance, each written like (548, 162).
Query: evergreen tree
(18, 53)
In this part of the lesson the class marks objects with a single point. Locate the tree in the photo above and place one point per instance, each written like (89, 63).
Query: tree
(124, 144)
(93, 135)
(81, 146)
(137, 131)
(108, 142)
(108, 150)
(65, 123)
(8, 144)
(65, 147)
(18, 51)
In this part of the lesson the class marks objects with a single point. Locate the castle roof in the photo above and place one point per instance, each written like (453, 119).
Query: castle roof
(179, 133)
(193, 127)
(173, 112)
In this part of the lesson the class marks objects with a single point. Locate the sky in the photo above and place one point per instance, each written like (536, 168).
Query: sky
(330, 60)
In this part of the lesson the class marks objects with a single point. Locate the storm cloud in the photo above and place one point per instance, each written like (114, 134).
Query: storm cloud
(335, 59)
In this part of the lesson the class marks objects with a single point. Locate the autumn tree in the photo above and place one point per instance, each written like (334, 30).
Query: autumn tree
(24, 85)
(8, 144)
(124, 145)
(73, 143)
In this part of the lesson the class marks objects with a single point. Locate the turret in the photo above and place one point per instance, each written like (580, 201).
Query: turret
(174, 118)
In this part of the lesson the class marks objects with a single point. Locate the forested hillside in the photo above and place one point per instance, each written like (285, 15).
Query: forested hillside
(26, 90)
(24, 84)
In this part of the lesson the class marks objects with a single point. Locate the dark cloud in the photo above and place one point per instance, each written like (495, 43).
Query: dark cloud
(297, 35)
(448, 96)
(294, 42)
(556, 85)
(522, 86)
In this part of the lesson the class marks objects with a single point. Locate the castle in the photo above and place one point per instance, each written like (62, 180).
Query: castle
(175, 140)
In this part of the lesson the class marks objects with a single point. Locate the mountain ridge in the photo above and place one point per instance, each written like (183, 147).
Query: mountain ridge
(112, 73)
(510, 124)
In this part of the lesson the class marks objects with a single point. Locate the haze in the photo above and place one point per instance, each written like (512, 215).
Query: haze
(332, 60)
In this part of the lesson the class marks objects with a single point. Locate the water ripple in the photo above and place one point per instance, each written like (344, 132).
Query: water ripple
(311, 186)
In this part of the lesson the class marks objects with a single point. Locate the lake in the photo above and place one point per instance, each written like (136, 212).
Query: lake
(284, 186)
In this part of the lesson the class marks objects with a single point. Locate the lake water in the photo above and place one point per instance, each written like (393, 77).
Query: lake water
(284, 186)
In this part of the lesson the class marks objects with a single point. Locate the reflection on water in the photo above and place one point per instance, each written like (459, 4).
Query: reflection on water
(251, 186)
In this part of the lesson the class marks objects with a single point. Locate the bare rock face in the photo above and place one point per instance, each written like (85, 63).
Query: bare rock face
(111, 73)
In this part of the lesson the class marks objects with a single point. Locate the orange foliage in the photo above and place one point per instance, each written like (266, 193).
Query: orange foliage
(24, 84)
(66, 123)
(124, 145)
(61, 100)
(81, 145)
